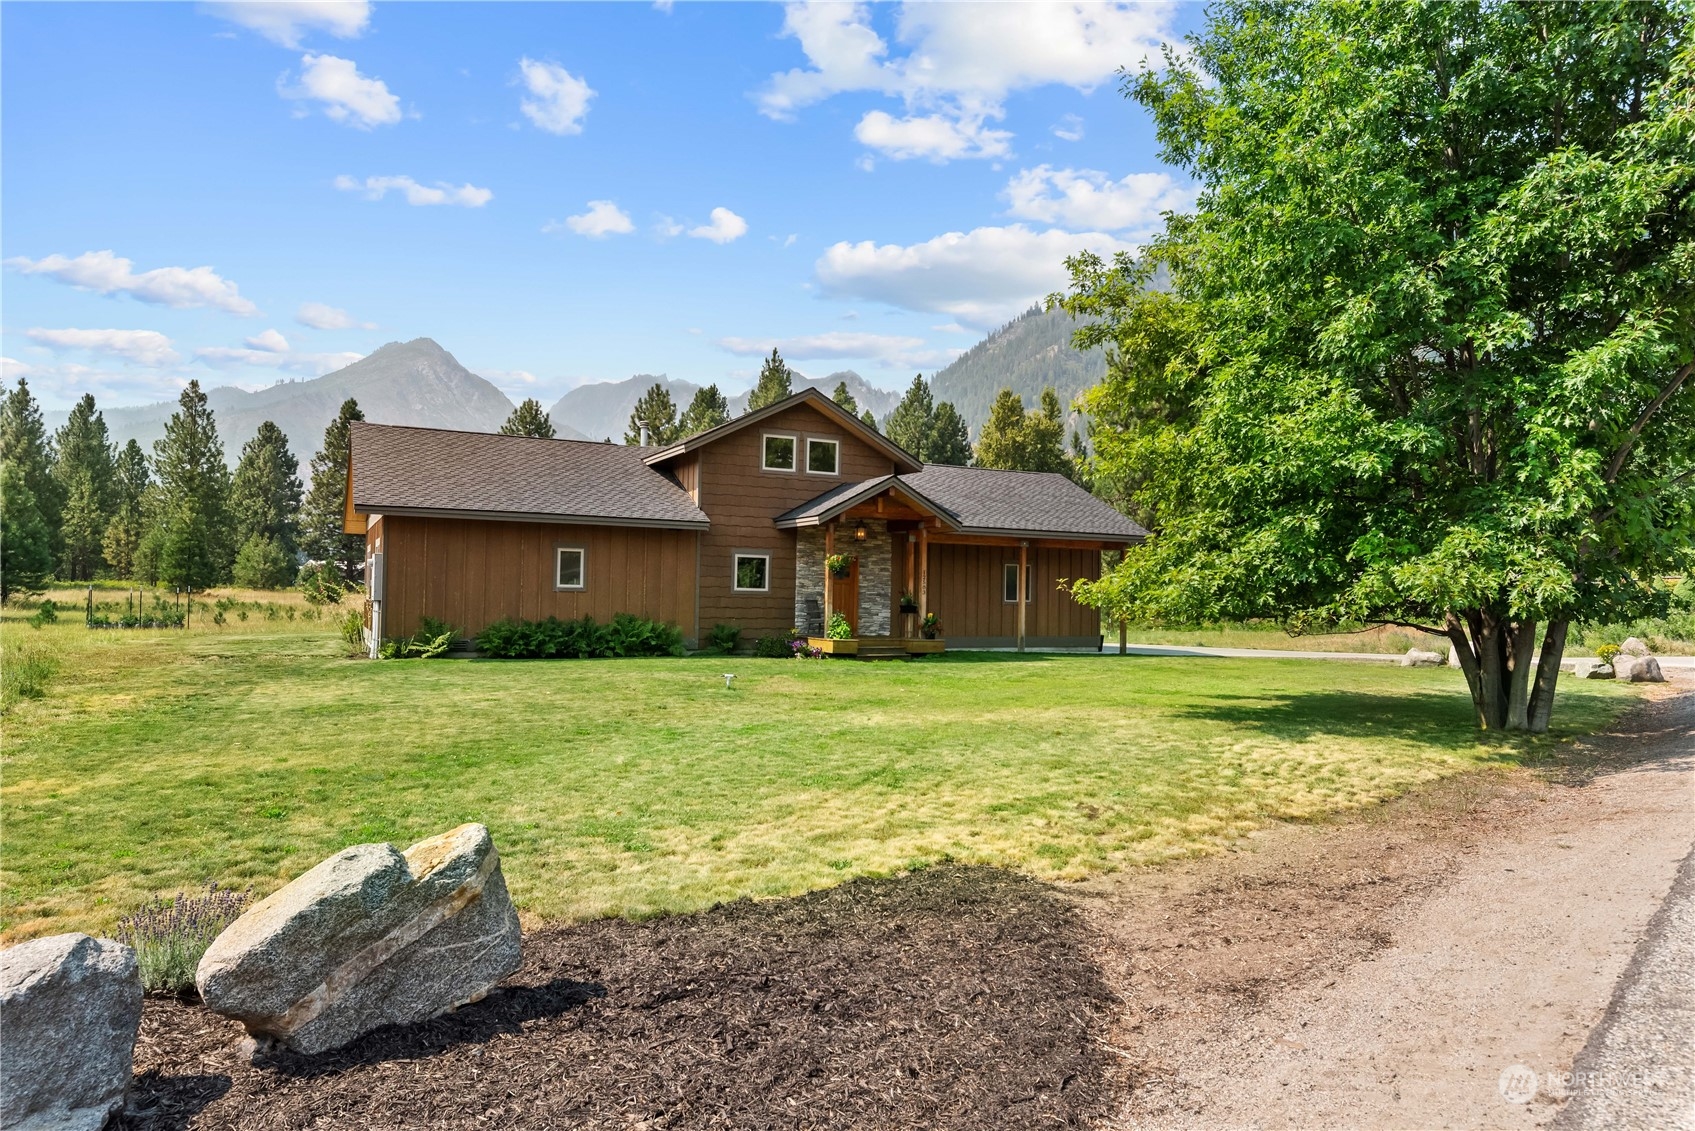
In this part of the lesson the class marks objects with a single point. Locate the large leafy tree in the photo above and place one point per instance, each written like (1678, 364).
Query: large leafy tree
(1436, 327)
(128, 523)
(529, 419)
(25, 446)
(265, 498)
(84, 469)
(776, 381)
(657, 412)
(708, 409)
(326, 498)
(195, 544)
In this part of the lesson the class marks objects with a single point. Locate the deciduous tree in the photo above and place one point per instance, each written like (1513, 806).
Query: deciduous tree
(1440, 294)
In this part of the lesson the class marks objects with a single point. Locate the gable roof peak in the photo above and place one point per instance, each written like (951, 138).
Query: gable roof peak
(815, 398)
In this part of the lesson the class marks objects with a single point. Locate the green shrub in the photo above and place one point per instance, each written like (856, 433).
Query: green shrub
(48, 613)
(170, 937)
(352, 628)
(321, 584)
(262, 563)
(773, 648)
(839, 628)
(723, 638)
(430, 642)
(25, 672)
(555, 639)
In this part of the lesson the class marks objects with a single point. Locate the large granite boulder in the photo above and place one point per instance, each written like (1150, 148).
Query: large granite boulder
(1639, 669)
(1418, 658)
(1633, 647)
(370, 937)
(1588, 668)
(70, 1007)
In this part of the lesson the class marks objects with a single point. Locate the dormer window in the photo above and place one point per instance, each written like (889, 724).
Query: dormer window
(779, 452)
(823, 457)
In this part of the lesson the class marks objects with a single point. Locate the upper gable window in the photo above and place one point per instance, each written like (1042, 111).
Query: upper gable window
(779, 452)
(823, 457)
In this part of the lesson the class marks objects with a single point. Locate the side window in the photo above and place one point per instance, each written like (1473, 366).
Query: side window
(1009, 584)
(753, 573)
(822, 456)
(568, 570)
(779, 453)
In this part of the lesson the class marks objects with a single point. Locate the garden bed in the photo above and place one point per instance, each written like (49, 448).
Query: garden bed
(950, 998)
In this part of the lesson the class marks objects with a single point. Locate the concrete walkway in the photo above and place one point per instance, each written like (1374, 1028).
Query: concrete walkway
(1638, 1069)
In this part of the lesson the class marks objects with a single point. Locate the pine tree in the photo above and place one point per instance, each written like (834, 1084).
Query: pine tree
(1044, 434)
(528, 419)
(261, 563)
(845, 398)
(83, 469)
(658, 412)
(776, 381)
(321, 535)
(707, 410)
(909, 423)
(1002, 443)
(24, 443)
(195, 544)
(265, 500)
(128, 523)
(868, 420)
(948, 440)
(26, 552)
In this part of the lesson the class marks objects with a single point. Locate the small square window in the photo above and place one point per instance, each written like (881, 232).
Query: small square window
(779, 453)
(1009, 584)
(822, 456)
(568, 568)
(753, 573)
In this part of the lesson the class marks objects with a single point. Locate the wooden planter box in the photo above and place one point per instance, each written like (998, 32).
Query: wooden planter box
(926, 647)
(848, 647)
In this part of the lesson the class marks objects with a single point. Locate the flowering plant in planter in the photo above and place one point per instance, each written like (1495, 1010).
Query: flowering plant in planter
(838, 565)
(908, 603)
(932, 626)
(839, 628)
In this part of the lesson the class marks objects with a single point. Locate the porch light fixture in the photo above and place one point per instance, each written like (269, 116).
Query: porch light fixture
(859, 533)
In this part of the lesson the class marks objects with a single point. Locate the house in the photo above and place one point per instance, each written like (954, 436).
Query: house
(731, 526)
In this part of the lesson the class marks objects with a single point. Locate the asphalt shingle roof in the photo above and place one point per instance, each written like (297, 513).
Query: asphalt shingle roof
(398, 468)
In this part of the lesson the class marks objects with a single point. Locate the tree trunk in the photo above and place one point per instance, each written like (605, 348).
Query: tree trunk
(1492, 665)
(1468, 664)
(1547, 675)
(1521, 646)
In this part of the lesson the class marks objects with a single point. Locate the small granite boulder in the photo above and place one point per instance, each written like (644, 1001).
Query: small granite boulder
(70, 1006)
(1639, 669)
(370, 937)
(1587, 668)
(1633, 647)
(1417, 658)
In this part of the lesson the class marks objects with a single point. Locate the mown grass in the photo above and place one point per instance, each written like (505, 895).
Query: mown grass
(159, 760)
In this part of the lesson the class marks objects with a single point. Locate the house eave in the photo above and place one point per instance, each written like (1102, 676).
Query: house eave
(526, 516)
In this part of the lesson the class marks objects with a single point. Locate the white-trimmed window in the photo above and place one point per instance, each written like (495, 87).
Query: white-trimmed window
(779, 452)
(823, 457)
(1009, 584)
(752, 573)
(570, 567)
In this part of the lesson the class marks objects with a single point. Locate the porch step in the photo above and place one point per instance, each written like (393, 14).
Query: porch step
(882, 648)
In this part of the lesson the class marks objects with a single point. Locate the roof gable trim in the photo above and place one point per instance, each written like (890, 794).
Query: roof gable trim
(903, 459)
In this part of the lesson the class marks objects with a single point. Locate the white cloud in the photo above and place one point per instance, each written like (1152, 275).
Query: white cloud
(889, 350)
(961, 61)
(349, 97)
(982, 278)
(144, 347)
(938, 137)
(270, 341)
(375, 188)
(320, 316)
(310, 364)
(11, 369)
(559, 100)
(106, 273)
(285, 21)
(1068, 128)
(1086, 198)
(604, 218)
(666, 227)
(725, 227)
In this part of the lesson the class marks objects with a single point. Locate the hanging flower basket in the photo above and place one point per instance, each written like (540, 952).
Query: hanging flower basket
(839, 565)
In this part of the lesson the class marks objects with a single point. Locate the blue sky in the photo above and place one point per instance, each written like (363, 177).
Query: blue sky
(557, 193)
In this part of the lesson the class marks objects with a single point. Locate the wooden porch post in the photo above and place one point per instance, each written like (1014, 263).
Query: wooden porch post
(907, 580)
(923, 571)
(829, 548)
(1023, 588)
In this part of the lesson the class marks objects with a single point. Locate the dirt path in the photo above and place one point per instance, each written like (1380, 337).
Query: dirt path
(1384, 973)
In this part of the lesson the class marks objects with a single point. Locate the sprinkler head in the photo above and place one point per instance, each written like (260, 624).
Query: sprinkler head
(728, 677)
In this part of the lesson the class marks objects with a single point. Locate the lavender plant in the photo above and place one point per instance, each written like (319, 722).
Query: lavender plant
(169, 936)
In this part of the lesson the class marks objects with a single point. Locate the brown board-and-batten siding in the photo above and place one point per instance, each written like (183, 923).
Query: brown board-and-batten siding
(967, 594)
(743, 499)
(472, 572)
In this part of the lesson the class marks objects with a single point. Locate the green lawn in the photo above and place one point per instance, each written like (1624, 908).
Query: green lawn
(161, 759)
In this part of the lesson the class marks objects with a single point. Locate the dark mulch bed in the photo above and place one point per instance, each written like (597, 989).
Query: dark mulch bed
(952, 997)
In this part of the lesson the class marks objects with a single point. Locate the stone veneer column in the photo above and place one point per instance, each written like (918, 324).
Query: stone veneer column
(876, 578)
(809, 580)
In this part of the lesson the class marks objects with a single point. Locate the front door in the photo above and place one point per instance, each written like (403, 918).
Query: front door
(844, 595)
